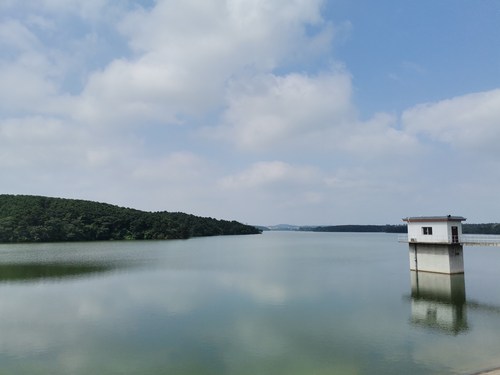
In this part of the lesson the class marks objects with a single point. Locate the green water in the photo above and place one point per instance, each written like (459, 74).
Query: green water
(278, 303)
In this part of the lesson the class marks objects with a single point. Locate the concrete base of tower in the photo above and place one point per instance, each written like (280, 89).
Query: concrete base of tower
(438, 258)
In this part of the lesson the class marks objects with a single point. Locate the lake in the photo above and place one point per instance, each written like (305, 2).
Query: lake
(277, 303)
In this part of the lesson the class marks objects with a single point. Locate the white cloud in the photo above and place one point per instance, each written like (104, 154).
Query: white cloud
(25, 142)
(129, 93)
(275, 188)
(364, 181)
(186, 53)
(87, 10)
(45, 142)
(24, 88)
(90, 91)
(234, 31)
(13, 34)
(470, 121)
(25, 72)
(272, 111)
(379, 138)
(307, 113)
(177, 168)
(270, 173)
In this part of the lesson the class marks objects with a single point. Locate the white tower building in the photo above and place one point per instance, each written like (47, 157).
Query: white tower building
(435, 244)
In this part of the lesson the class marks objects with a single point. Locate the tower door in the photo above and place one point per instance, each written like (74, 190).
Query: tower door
(454, 234)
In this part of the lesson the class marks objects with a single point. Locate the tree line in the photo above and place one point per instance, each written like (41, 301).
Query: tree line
(488, 228)
(28, 218)
(358, 228)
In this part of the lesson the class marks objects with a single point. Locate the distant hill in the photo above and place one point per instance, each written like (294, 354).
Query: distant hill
(284, 227)
(27, 218)
(359, 228)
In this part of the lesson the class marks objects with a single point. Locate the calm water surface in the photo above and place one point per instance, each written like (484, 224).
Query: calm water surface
(278, 303)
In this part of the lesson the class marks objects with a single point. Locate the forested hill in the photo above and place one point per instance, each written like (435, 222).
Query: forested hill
(26, 218)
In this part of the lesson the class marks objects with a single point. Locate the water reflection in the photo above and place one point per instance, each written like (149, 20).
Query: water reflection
(438, 301)
(280, 303)
(56, 262)
(29, 272)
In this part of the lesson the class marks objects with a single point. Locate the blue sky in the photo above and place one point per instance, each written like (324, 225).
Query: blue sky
(303, 112)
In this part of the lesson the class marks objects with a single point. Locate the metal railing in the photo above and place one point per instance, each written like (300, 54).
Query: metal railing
(480, 239)
(429, 239)
(464, 239)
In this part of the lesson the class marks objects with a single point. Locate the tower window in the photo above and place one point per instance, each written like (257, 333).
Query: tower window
(427, 230)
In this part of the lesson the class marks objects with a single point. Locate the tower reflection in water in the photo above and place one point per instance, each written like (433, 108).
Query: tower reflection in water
(438, 301)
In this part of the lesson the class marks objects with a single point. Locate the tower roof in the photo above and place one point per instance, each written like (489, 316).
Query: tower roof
(428, 219)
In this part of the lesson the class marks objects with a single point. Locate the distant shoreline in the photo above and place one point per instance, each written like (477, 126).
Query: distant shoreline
(486, 228)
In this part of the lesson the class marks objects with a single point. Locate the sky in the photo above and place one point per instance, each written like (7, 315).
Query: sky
(306, 112)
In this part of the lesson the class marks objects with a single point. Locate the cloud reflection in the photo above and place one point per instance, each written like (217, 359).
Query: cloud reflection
(290, 303)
